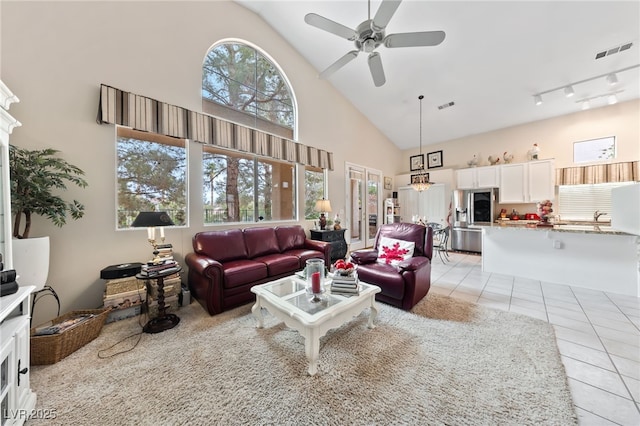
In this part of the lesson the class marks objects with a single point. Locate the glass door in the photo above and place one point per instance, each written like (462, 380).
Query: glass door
(355, 197)
(374, 218)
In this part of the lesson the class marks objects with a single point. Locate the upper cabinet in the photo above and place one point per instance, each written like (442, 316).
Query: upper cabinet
(478, 177)
(527, 182)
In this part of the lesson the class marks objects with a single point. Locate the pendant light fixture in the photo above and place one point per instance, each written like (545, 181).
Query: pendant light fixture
(420, 182)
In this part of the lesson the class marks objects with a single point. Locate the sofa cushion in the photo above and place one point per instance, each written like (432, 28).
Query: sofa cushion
(243, 271)
(305, 254)
(260, 242)
(222, 246)
(384, 276)
(393, 251)
(290, 237)
(278, 264)
(405, 232)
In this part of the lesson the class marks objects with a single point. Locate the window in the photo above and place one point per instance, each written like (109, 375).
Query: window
(240, 84)
(151, 176)
(314, 190)
(244, 188)
(579, 202)
(594, 150)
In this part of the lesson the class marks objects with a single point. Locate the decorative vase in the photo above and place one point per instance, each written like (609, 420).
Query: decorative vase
(31, 261)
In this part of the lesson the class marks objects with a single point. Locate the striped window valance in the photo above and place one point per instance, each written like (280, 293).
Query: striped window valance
(628, 171)
(141, 113)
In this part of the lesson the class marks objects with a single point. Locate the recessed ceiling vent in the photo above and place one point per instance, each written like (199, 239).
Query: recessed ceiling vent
(447, 105)
(613, 50)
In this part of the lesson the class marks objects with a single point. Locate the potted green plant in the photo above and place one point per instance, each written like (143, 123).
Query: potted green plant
(35, 176)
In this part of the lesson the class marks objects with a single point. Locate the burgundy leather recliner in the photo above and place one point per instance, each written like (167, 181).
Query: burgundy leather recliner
(405, 284)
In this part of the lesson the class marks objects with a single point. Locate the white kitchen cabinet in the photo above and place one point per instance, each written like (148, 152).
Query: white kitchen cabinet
(527, 182)
(16, 398)
(432, 204)
(478, 177)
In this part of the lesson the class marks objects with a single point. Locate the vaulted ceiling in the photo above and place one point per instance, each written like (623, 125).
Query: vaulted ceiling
(496, 56)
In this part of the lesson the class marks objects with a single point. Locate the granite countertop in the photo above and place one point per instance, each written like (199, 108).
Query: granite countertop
(605, 228)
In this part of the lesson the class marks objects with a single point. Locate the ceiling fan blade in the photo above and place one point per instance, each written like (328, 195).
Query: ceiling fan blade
(426, 38)
(384, 14)
(375, 66)
(330, 26)
(350, 56)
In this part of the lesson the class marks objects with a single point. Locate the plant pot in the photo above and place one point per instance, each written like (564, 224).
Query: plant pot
(31, 261)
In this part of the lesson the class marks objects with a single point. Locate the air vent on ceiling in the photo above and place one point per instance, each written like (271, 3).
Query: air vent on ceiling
(613, 50)
(447, 105)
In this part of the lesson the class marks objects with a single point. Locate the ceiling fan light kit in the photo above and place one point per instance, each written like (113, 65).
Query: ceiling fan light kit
(369, 35)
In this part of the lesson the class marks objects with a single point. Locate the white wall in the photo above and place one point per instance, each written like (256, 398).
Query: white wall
(554, 136)
(56, 54)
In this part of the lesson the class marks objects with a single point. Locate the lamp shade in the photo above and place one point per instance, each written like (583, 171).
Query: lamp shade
(323, 205)
(149, 219)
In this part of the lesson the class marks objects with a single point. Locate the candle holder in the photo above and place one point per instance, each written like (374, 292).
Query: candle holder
(151, 220)
(314, 273)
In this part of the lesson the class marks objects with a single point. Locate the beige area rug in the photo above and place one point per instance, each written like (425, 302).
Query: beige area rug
(448, 363)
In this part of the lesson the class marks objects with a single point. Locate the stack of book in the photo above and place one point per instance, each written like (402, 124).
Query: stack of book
(165, 252)
(125, 296)
(344, 284)
(154, 268)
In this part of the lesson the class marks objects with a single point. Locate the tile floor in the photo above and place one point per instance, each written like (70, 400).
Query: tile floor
(598, 333)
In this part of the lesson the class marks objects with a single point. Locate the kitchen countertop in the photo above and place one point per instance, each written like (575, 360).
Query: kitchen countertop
(605, 228)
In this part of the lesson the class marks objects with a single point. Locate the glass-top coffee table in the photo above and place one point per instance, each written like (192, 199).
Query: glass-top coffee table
(287, 300)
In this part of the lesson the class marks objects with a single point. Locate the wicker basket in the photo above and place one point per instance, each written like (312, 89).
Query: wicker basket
(52, 348)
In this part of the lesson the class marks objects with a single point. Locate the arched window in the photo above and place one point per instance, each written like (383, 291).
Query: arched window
(240, 84)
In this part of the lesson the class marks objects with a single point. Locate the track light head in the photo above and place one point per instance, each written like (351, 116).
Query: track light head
(612, 99)
(586, 105)
(612, 79)
(568, 91)
(537, 99)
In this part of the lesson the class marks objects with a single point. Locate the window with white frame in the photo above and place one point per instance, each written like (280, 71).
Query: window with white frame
(314, 190)
(580, 202)
(151, 174)
(242, 85)
(240, 187)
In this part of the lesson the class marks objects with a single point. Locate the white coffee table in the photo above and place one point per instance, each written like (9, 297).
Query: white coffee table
(287, 300)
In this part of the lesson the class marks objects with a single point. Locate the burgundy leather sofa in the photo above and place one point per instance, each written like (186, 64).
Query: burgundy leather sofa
(405, 284)
(224, 265)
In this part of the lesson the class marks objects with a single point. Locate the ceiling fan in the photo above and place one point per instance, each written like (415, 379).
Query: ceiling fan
(369, 35)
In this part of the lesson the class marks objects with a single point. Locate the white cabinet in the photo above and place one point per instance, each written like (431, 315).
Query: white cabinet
(432, 204)
(478, 177)
(527, 182)
(16, 398)
(391, 210)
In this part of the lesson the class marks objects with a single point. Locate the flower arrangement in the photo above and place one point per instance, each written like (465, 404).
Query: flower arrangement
(544, 209)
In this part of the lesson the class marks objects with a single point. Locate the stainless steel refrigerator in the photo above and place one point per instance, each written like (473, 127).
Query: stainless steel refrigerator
(472, 207)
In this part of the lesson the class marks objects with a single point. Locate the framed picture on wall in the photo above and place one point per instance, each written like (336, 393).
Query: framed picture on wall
(387, 182)
(416, 178)
(434, 159)
(416, 162)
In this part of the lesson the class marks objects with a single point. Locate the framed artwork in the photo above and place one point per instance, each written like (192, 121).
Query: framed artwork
(387, 183)
(416, 162)
(434, 159)
(416, 178)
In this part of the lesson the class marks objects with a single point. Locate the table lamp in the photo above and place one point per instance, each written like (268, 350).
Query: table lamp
(153, 220)
(323, 206)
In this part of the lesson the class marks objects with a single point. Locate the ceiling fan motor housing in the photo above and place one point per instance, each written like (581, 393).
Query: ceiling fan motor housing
(368, 39)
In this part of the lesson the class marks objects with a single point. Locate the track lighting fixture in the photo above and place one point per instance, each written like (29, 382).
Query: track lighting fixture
(568, 91)
(611, 78)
